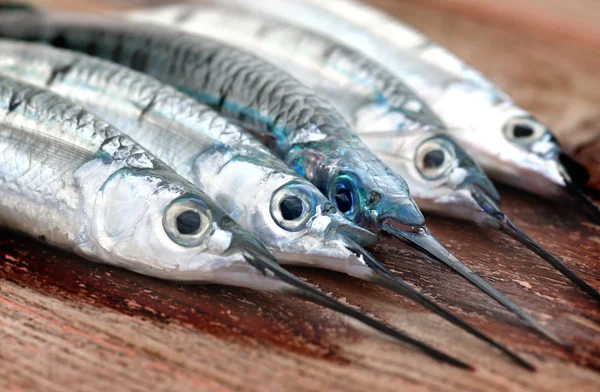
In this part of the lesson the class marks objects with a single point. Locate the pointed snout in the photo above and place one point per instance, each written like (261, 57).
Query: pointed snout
(406, 213)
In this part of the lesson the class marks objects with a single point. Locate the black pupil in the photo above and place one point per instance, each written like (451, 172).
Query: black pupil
(291, 208)
(433, 159)
(343, 199)
(188, 222)
(522, 131)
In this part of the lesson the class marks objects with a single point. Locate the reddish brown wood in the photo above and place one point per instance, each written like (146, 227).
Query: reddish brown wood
(66, 323)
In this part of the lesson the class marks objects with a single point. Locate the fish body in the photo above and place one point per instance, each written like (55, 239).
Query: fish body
(230, 166)
(78, 183)
(506, 140)
(307, 133)
(390, 118)
(234, 169)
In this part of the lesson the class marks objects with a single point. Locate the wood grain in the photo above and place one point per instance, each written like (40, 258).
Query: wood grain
(66, 323)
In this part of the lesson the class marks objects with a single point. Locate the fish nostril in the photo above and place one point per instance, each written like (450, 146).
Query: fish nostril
(188, 222)
(374, 198)
(522, 131)
(291, 208)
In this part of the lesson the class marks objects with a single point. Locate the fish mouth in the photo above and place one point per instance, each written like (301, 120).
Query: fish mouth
(421, 240)
(504, 224)
(576, 176)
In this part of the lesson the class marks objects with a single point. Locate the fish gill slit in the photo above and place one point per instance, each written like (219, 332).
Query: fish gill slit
(59, 72)
(14, 102)
(146, 109)
(221, 102)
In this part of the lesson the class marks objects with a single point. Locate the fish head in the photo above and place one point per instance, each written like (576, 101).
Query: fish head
(287, 213)
(155, 222)
(315, 231)
(542, 155)
(368, 192)
(442, 176)
(538, 164)
(515, 148)
(531, 151)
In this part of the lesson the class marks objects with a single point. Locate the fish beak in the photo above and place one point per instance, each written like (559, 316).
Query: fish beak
(298, 288)
(383, 277)
(575, 176)
(503, 223)
(423, 242)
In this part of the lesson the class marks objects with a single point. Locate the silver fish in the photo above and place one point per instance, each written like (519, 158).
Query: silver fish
(444, 177)
(308, 134)
(232, 168)
(510, 144)
(78, 182)
(441, 176)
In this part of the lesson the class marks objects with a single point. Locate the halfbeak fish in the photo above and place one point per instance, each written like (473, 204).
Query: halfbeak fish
(87, 188)
(188, 137)
(507, 141)
(436, 169)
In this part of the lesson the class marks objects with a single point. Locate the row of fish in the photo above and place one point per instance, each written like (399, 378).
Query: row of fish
(201, 199)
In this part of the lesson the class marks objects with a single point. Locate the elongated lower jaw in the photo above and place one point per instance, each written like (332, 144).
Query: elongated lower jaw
(423, 242)
(502, 222)
(300, 289)
(383, 277)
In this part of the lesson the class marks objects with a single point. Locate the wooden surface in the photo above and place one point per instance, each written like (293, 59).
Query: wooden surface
(69, 324)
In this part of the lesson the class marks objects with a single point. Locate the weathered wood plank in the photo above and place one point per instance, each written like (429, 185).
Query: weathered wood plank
(65, 322)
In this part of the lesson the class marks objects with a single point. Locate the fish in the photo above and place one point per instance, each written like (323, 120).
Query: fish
(510, 144)
(306, 132)
(370, 96)
(442, 177)
(77, 182)
(230, 166)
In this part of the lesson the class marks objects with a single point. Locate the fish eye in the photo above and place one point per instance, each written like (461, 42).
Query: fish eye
(435, 157)
(344, 199)
(344, 195)
(187, 221)
(291, 207)
(524, 130)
